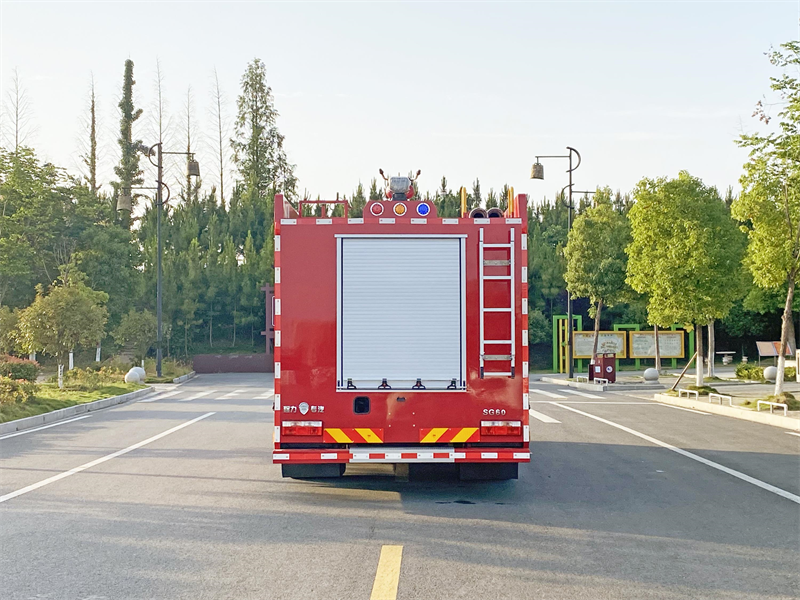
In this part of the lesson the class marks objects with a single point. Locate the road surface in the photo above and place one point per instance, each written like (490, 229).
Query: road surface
(175, 497)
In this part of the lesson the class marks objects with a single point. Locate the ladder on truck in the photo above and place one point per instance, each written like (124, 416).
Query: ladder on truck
(484, 310)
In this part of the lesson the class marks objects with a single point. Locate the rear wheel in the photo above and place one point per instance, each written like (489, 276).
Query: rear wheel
(313, 471)
(487, 471)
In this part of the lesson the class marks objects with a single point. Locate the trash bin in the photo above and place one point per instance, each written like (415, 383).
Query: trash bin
(605, 368)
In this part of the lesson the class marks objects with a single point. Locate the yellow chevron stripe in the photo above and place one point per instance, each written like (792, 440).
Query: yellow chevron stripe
(339, 436)
(434, 435)
(464, 434)
(369, 436)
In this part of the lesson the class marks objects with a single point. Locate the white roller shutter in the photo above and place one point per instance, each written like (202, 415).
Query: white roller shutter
(401, 309)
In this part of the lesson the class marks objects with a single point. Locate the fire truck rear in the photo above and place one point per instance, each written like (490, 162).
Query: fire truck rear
(401, 337)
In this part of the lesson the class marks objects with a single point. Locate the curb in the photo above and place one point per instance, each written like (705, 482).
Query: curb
(63, 413)
(731, 411)
(183, 378)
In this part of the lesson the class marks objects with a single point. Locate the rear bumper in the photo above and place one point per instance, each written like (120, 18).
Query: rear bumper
(402, 455)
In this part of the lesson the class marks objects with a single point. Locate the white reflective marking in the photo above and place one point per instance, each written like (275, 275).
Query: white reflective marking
(277, 243)
(419, 221)
(524, 306)
(324, 221)
(280, 456)
(288, 221)
(386, 221)
(10, 435)
(277, 274)
(548, 394)
(277, 307)
(459, 455)
(278, 339)
(100, 460)
(277, 370)
(541, 417)
(524, 455)
(328, 456)
(526, 433)
(449, 221)
(524, 337)
(584, 394)
(515, 221)
(524, 242)
(526, 404)
(524, 274)
(738, 474)
(277, 401)
(276, 436)
(488, 454)
(354, 221)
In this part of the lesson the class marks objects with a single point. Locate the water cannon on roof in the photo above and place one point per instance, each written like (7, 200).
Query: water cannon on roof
(399, 187)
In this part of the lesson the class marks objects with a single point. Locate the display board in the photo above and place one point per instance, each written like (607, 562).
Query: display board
(670, 344)
(609, 342)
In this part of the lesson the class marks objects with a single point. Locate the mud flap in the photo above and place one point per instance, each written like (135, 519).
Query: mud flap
(313, 471)
(487, 471)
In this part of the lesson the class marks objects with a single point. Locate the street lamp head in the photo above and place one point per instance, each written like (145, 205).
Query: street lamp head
(537, 170)
(192, 168)
(125, 201)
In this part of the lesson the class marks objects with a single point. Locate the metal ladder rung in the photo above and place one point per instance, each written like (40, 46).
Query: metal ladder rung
(496, 263)
(497, 357)
(497, 245)
(497, 309)
(495, 374)
(497, 277)
(496, 341)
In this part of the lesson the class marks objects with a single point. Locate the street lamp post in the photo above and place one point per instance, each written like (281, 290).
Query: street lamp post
(192, 170)
(537, 172)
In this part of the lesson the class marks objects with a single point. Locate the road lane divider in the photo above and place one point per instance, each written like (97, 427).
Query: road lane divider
(196, 396)
(584, 394)
(699, 412)
(233, 393)
(793, 433)
(10, 435)
(161, 396)
(541, 417)
(710, 463)
(100, 460)
(387, 577)
(548, 394)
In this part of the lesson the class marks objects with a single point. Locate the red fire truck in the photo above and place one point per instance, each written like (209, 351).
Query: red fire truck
(401, 337)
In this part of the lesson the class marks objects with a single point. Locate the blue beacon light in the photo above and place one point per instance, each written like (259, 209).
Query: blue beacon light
(423, 209)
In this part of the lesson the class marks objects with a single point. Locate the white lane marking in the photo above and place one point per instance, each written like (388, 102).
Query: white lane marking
(10, 435)
(541, 417)
(699, 412)
(100, 460)
(651, 403)
(265, 396)
(233, 393)
(793, 433)
(548, 394)
(196, 396)
(584, 394)
(161, 396)
(738, 474)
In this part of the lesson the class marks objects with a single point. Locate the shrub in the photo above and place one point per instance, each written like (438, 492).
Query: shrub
(749, 371)
(18, 368)
(784, 398)
(16, 391)
(88, 380)
(789, 374)
(702, 390)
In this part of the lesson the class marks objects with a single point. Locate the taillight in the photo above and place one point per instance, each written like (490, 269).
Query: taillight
(301, 428)
(501, 428)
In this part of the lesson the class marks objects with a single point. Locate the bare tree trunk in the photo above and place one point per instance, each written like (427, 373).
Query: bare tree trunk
(711, 348)
(596, 330)
(787, 318)
(211, 327)
(234, 329)
(658, 349)
(699, 362)
(217, 98)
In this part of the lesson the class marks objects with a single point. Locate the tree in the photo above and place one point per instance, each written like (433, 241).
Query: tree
(217, 100)
(357, 202)
(191, 190)
(90, 158)
(8, 327)
(769, 204)
(70, 316)
(18, 110)
(684, 250)
(258, 145)
(128, 170)
(596, 259)
(137, 329)
(375, 193)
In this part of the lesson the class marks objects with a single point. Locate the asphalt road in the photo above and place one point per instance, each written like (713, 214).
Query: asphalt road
(176, 498)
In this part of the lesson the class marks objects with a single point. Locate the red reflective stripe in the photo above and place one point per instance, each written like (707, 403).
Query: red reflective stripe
(441, 455)
(408, 455)
(380, 456)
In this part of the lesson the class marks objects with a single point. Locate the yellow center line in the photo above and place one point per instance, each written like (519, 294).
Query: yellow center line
(388, 575)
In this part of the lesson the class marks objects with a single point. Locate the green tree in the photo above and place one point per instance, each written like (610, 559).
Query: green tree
(375, 193)
(128, 170)
(596, 259)
(8, 327)
(357, 202)
(137, 329)
(685, 253)
(72, 315)
(769, 204)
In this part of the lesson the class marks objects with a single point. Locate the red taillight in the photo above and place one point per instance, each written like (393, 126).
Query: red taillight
(301, 428)
(501, 428)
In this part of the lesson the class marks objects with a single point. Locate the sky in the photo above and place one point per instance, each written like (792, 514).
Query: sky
(462, 90)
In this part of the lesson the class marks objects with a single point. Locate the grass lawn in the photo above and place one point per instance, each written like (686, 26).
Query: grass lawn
(49, 397)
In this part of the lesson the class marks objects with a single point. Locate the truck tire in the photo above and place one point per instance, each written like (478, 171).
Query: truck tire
(313, 471)
(487, 471)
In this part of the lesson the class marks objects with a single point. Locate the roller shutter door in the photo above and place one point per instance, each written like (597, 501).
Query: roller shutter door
(401, 311)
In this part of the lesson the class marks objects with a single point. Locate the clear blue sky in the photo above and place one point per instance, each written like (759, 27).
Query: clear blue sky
(458, 89)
